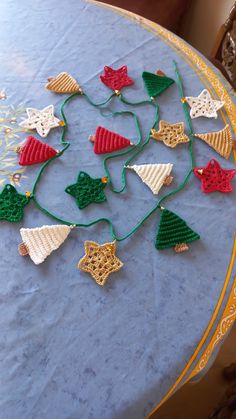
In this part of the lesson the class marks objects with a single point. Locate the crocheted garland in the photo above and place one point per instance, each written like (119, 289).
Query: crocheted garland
(35, 151)
(100, 260)
(12, 204)
(154, 175)
(63, 83)
(155, 83)
(106, 141)
(203, 105)
(170, 134)
(41, 120)
(40, 242)
(221, 141)
(174, 232)
(116, 79)
(214, 178)
(87, 190)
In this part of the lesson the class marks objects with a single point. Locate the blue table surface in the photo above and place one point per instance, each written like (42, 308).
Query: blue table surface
(69, 348)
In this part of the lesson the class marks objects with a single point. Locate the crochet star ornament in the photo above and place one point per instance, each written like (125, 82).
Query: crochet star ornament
(87, 190)
(203, 105)
(100, 261)
(41, 120)
(35, 151)
(170, 134)
(116, 79)
(12, 204)
(106, 141)
(214, 178)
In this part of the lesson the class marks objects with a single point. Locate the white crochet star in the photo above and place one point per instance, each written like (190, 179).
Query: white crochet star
(41, 120)
(204, 105)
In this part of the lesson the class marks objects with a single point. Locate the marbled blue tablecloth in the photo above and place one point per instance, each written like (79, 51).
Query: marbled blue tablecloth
(69, 348)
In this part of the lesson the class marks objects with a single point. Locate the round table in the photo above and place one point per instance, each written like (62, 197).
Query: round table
(69, 348)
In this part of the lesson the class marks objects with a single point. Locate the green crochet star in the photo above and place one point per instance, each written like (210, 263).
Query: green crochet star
(12, 204)
(87, 190)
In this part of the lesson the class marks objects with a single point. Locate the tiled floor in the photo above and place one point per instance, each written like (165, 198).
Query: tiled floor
(196, 401)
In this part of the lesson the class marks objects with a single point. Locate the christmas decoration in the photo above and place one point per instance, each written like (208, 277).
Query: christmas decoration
(174, 232)
(12, 204)
(40, 242)
(100, 260)
(154, 175)
(87, 190)
(203, 105)
(34, 151)
(106, 141)
(221, 141)
(156, 83)
(41, 120)
(63, 83)
(116, 79)
(170, 134)
(214, 178)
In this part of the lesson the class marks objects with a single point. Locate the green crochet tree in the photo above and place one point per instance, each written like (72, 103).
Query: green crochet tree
(174, 232)
(156, 84)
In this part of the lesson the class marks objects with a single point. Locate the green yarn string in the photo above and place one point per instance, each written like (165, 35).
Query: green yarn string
(138, 148)
(186, 114)
(98, 105)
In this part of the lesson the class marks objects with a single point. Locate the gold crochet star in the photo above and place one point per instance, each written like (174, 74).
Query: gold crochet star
(100, 260)
(170, 134)
(41, 120)
(203, 105)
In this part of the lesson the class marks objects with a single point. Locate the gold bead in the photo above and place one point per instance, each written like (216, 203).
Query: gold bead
(104, 179)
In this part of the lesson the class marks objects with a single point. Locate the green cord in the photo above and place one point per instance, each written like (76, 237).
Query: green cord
(142, 102)
(97, 105)
(122, 153)
(186, 113)
(64, 130)
(138, 150)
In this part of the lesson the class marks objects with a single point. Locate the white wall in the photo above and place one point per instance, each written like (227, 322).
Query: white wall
(203, 22)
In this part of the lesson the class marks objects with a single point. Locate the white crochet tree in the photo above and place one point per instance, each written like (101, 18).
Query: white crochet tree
(154, 175)
(40, 242)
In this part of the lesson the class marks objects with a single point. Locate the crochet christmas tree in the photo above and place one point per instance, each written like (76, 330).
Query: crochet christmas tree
(156, 84)
(106, 141)
(40, 242)
(174, 232)
(221, 141)
(154, 175)
(35, 151)
(63, 83)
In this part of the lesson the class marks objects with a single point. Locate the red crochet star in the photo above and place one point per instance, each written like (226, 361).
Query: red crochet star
(116, 79)
(214, 178)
